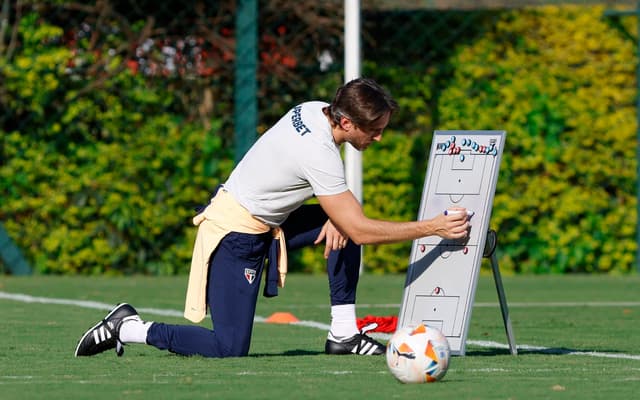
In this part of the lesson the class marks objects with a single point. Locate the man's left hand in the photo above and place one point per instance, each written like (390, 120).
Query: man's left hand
(334, 239)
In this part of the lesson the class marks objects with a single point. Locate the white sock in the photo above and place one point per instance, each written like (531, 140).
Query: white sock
(134, 330)
(343, 321)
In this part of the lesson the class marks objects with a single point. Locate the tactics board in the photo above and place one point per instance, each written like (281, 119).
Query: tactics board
(443, 274)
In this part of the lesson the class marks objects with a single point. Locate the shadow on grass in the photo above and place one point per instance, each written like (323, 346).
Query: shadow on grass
(556, 351)
(289, 353)
(488, 352)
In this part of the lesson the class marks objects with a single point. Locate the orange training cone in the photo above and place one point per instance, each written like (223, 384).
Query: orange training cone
(281, 318)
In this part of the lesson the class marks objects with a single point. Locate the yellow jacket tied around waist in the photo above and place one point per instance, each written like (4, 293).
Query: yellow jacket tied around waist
(221, 216)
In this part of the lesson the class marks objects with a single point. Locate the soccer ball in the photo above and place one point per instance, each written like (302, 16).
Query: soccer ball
(418, 354)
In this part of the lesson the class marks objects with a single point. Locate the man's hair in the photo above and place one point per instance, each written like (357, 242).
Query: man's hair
(363, 101)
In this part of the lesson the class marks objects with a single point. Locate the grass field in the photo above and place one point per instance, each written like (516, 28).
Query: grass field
(579, 338)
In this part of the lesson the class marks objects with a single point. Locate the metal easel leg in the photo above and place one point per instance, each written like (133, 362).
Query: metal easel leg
(490, 252)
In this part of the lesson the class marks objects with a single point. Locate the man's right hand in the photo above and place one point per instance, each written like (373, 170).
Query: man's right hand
(454, 225)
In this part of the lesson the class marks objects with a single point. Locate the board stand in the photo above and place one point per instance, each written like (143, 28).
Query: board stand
(490, 253)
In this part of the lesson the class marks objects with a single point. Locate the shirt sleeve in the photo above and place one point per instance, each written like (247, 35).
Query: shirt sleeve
(325, 172)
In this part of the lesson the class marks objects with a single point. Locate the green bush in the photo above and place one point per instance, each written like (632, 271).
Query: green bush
(104, 180)
(560, 81)
(101, 166)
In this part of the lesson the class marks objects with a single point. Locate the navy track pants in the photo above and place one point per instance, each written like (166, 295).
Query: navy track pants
(235, 272)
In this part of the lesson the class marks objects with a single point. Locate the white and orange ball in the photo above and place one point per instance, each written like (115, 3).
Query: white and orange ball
(418, 354)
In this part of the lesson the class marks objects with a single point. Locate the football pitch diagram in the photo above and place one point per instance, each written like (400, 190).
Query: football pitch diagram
(442, 274)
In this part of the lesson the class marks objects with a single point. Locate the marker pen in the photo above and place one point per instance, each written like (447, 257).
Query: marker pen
(453, 212)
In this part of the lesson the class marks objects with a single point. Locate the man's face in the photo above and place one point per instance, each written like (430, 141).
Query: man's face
(362, 138)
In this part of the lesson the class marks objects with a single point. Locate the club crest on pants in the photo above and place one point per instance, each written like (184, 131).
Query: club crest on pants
(250, 274)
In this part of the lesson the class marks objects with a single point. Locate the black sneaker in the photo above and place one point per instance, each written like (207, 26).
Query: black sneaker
(359, 344)
(104, 335)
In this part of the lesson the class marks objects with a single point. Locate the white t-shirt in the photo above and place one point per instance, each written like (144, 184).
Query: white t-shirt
(292, 161)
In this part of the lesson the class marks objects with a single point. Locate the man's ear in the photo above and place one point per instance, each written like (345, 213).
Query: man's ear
(346, 124)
